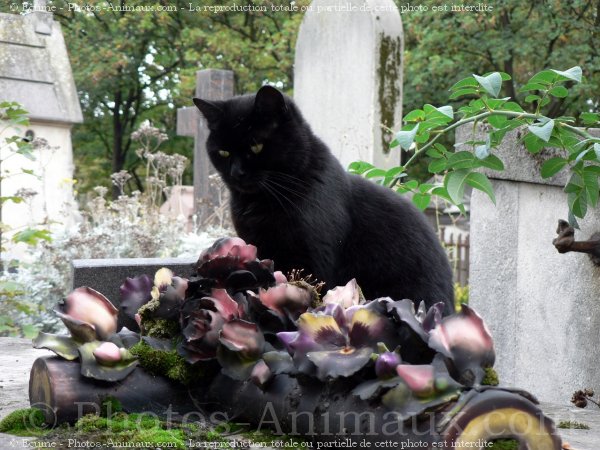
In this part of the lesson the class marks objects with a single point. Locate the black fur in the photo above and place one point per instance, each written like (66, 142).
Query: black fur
(295, 202)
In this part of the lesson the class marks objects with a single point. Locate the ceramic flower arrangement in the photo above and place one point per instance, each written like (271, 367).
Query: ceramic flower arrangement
(237, 312)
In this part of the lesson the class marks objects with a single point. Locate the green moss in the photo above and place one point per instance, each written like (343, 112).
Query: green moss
(109, 406)
(389, 72)
(24, 422)
(166, 363)
(570, 424)
(161, 328)
(132, 428)
(491, 377)
(504, 444)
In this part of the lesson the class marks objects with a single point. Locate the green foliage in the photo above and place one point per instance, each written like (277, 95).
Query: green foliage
(461, 295)
(572, 425)
(24, 422)
(12, 117)
(460, 167)
(131, 66)
(504, 444)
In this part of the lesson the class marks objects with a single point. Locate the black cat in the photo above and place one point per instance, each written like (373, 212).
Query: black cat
(292, 199)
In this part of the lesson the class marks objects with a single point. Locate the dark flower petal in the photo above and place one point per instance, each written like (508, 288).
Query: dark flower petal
(279, 362)
(404, 311)
(339, 363)
(243, 337)
(240, 280)
(433, 316)
(322, 329)
(134, 293)
(227, 246)
(466, 341)
(368, 327)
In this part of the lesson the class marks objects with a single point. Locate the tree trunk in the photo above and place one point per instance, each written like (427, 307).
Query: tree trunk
(323, 412)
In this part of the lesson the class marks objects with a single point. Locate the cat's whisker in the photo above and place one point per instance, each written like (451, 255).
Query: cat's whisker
(274, 188)
(274, 193)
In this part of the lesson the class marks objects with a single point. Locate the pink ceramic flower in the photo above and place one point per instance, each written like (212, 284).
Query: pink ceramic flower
(345, 296)
(107, 354)
(89, 315)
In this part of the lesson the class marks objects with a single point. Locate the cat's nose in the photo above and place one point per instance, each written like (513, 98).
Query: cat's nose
(237, 172)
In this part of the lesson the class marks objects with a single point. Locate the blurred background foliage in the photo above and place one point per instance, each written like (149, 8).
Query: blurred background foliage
(130, 67)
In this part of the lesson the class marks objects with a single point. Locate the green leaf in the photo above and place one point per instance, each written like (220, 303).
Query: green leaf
(533, 144)
(455, 184)
(407, 137)
(446, 111)
(574, 73)
(373, 173)
(491, 83)
(492, 162)
(589, 118)
(532, 98)
(512, 106)
(532, 87)
(359, 167)
(482, 151)
(559, 91)
(480, 181)
(421, 201)
(461, 92)
(543, 130)
(552, 167)
(415, 116)
(462, 160)
(597, 150)
(437, 165)
(31, 236)
(497, 121)
(545, 77)
(465, 82)
(590, 179)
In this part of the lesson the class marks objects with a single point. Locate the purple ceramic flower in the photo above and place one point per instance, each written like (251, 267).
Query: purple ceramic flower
(135, 292)
(88, 315)
(385, 365)
(338, 342)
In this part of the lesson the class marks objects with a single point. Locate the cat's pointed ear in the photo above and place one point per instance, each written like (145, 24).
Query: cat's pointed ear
(269, 102)
(211, 110)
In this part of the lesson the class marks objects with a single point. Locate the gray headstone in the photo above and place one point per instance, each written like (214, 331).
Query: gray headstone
(211, 84)
(107, 275)
(541, 306)
(348, 77)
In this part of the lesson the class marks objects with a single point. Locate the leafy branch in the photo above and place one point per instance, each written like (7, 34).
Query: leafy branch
(423, 128)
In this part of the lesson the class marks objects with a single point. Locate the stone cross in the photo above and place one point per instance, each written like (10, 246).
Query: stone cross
(348, 77)
(211, 84)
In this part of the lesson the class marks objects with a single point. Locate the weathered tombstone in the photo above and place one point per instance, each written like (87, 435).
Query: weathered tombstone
(541, 306)
(211, 84)
(107, 275)
(348, 77)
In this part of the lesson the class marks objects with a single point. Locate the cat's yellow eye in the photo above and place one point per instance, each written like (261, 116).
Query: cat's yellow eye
(224, 153)
(256, 149)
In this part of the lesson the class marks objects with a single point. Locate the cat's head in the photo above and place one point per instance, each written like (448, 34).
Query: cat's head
(255, 138)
